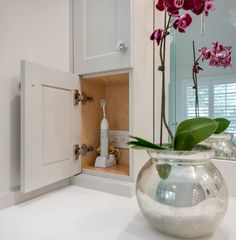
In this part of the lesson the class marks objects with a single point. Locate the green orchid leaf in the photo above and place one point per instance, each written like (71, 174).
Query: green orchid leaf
(164, 170)
(144, 143)
(222, 125)
(184, 141)
(200, 127)
(137, 147)
(132, 143)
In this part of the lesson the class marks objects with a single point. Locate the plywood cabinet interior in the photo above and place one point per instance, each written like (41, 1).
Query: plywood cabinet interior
(115, 90)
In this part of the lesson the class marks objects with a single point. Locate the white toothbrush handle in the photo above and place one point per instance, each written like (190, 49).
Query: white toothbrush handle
(104, 138)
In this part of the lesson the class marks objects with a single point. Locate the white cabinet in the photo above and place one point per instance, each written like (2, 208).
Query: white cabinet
(54, 128)
(102, 35)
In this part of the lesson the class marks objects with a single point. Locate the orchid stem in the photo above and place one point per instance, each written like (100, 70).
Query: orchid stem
(162, 69)
(195, 81)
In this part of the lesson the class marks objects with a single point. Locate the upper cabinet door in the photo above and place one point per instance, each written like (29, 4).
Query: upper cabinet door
(102, 35)
(50, 126)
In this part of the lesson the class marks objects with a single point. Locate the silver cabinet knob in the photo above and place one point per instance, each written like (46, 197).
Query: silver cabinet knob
(122, 46)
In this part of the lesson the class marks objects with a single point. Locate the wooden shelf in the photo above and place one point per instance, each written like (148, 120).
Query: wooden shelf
(119, 169)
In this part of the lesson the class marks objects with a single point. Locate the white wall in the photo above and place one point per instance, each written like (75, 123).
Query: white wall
(141, 122)
(35, 30)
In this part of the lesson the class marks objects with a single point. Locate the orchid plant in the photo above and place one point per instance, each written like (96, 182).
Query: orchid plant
(177, 15)
(171, 10)
(218, 56)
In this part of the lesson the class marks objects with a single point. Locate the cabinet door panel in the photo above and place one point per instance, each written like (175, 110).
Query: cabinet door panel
(50, 126)
(99, 27)
(100, 32)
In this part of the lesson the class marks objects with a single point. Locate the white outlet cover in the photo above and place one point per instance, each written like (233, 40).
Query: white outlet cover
(119, 138)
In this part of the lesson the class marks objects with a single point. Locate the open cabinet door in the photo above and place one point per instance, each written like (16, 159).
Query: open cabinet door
(50, 126)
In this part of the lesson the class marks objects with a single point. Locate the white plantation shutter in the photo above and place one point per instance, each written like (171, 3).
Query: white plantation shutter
(203, 98)
(225, 103)
(217, 98)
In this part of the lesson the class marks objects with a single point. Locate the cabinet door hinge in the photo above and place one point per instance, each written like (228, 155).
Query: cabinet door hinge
(83, 98)
(83, 150)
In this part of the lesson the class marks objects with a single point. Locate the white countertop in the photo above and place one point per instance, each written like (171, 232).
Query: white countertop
(76, 213)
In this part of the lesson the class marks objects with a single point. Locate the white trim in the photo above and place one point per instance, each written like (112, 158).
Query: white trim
(103, 184)
(11, 198)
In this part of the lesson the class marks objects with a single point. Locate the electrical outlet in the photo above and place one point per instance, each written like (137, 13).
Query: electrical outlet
(119, 138)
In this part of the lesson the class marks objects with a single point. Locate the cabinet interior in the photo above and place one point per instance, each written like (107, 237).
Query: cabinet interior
(115, 90)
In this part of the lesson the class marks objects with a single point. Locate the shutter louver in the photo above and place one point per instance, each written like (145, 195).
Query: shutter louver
(225, 103)
(217, 98)
(203, 101)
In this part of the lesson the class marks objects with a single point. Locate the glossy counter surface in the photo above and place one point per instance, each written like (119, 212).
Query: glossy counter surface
(75, 213)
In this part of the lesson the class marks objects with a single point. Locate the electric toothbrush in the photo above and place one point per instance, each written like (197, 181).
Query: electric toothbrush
(105, 159)
(104, 127)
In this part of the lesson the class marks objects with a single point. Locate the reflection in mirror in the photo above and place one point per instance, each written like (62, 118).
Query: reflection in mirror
(217, 86)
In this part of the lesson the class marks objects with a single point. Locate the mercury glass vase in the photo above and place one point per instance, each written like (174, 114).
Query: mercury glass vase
(223, 145)
(182, 193)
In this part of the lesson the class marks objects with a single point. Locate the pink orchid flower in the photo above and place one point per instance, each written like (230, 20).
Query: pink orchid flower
(157, 35)
(205, 53)
(218, 56)
(196, 6)
(199, 6)
(182, 22)
(160, 5)
(209, 7)
(188, 5)
(197, 68)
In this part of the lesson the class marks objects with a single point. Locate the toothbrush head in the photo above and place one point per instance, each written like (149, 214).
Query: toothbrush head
(103, 103)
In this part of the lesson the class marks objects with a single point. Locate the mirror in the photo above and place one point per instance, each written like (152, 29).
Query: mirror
(217, 86)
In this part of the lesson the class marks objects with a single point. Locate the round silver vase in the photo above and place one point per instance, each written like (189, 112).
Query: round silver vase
(223, 145)
(182, 193)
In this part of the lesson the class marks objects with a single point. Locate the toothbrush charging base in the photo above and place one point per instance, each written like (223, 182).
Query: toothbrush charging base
(103, 162)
